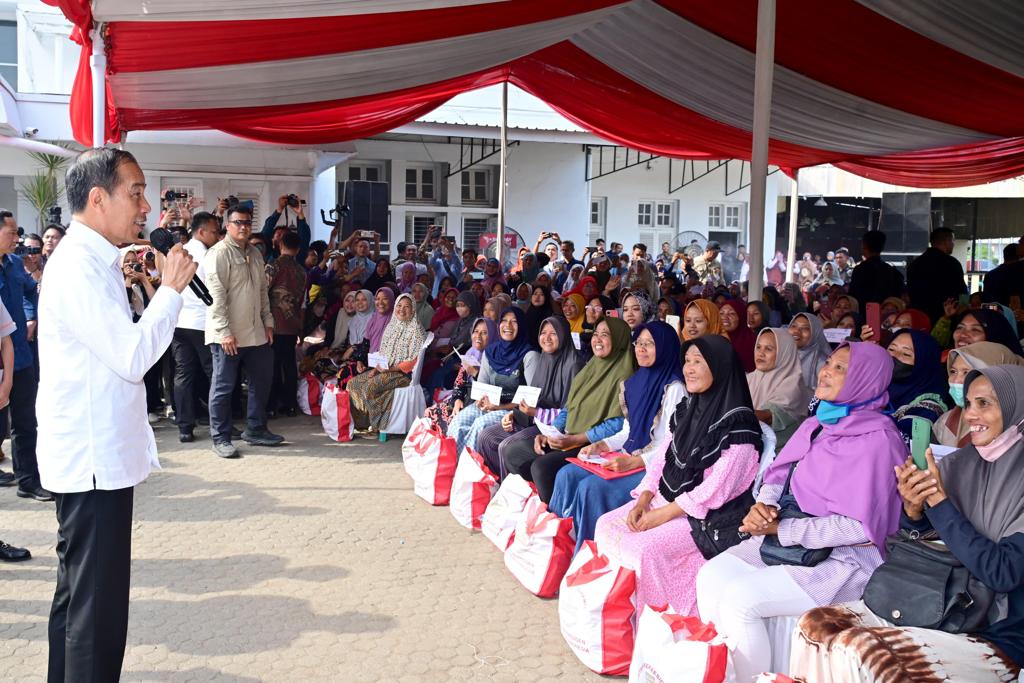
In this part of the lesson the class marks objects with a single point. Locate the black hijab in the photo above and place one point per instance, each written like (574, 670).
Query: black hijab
(707, 423)
(376, 281)
(460, 335)
(997, 328)
(555, 371)
(535, 315)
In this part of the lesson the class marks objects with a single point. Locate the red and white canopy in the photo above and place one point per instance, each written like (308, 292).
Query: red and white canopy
(914, 93)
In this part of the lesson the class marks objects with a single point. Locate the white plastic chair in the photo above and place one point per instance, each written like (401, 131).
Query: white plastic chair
(408, 403)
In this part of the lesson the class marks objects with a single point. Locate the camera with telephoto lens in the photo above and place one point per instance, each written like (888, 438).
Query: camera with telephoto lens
(22, 250)
(137, 268)
(171, 196)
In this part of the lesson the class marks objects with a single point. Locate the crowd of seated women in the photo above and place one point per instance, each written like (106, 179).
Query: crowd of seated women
(743, 434)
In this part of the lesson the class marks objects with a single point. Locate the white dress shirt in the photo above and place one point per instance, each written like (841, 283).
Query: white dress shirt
(193, 311)
(94, 431)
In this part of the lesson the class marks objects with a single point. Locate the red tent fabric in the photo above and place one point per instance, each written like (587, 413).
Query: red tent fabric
(925, 94)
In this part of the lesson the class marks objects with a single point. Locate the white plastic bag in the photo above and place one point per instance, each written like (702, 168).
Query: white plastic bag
(336, 413)
(309, 394)
(472, 488)
(499, 520)
(672, 647)
(541, 549)
(429, 458)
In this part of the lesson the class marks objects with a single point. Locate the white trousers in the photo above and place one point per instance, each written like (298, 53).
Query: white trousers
(737, 598)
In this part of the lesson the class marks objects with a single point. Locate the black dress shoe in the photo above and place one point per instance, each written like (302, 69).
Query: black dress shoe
(38, 493)
(263, 437)
(186, 437)
(7, 479)
(8, 553)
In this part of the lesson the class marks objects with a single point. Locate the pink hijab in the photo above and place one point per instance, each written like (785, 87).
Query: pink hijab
(848, 468)
(378, 321)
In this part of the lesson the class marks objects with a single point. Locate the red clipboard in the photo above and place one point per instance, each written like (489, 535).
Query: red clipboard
(600, 470)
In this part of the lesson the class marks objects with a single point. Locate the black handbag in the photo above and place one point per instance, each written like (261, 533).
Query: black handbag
(720, 530)
(922, 584)
(774, 553)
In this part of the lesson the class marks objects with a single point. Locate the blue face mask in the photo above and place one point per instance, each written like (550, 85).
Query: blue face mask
(830, 413)
(956, 392)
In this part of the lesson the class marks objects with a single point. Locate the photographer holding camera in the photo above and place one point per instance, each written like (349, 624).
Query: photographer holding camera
(31, 253)
(272, 232)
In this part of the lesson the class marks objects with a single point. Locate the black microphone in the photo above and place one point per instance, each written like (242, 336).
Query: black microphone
(162, 240)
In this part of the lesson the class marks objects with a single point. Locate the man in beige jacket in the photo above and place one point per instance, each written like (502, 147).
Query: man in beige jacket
(239, 330)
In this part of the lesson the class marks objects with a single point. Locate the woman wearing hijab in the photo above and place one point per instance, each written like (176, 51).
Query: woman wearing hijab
(586, 287)
(734, 324)
(637, 309)
(758, 315)
(424, 311)
(443, 321)
(811, 344)
(383, 275)
(777, 388)
(443, 365)
(829, 275)
(574, 308)
(338, 337)
(559, 362)
(523, 293)
(700, 317)
(707, 464)
(980, 324)
(406, 277)
(507, 363)
(839, 465)
(650, 395)
(493, 274)
(973, 500)
(918, 388)
(538, 311)
(530, 268)
(384, 306)
(592, 411)
(440, 414)
(952, 428)
(371, 393)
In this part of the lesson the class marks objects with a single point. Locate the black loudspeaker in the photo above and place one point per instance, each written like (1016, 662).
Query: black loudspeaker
(368, 207)
(906, 221)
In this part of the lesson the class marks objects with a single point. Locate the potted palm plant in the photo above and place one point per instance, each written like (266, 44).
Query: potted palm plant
(44, 190)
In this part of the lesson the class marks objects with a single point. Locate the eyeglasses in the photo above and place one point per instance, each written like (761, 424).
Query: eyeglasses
(242, 224)
(643, 344)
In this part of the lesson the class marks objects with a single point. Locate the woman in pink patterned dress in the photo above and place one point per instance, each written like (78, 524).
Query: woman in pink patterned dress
(701, 476)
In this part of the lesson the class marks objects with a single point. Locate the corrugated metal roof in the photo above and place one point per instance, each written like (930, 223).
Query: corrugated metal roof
(483, 108)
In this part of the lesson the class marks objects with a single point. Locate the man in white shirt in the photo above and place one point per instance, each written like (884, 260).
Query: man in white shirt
(192, 357)
(95, 442)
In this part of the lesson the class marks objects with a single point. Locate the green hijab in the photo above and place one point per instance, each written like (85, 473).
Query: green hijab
(594, 395)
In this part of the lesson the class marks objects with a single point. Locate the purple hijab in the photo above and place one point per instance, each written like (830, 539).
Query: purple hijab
(848, 469)
(378, 321)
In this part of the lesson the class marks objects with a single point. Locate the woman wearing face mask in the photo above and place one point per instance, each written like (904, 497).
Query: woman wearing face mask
(918, 388)
(952, 429)
(973, 500)
(811, 344)
(839, 467)
(702, 470)
(650, 396)
(592, 411)
(508, 363)
(440, 414)
(700, 317)
(777, 388)
(559, 362)
(371, 393)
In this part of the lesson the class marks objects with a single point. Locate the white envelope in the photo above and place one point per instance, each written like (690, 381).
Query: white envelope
(528, 394)
(837, 335)
(467, 361)
(377, 360)
(576, 340)
(673, 320)
(481, 389)
(939, 451)
(548, 430)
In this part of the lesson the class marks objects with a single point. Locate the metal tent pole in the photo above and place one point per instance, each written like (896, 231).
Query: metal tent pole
(763, 72)
(499, 250)
(98, 63)
(794, 209)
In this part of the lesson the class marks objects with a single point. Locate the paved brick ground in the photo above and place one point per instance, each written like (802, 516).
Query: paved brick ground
(309, 562)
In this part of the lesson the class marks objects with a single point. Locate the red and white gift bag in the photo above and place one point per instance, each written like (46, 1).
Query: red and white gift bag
(429, 458)
(472, 488)
(499, 520)
(541, 549)
(773, 678)
(336, 413)
(596, 605)
(673, 647)
(309, 393)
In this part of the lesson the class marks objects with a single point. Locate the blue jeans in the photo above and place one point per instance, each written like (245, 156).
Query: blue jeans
(259, 366)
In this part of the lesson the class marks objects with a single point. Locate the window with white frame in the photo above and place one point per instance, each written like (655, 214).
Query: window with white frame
(645, 214)
(366, 170)
(715, 216)
(420, 184)
(476, 186)
(597, 214)
(665, 214)
(727, 216)
(416, 225)
(473, 227)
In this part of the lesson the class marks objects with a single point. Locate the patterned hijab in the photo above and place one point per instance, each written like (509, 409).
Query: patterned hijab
(402, 339)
